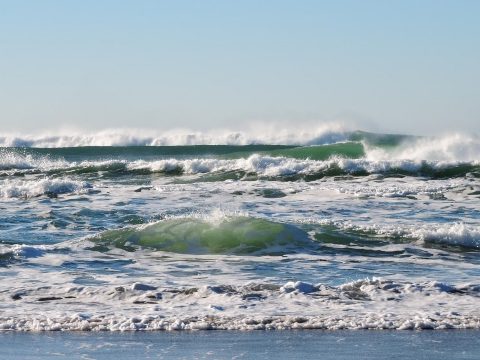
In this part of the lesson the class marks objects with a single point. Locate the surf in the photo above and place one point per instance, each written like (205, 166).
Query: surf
(233, 235)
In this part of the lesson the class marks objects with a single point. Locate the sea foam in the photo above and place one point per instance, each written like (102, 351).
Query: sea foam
(442, 149)
(451, 234)
(320, 134)
(362, 304)
(33, 188)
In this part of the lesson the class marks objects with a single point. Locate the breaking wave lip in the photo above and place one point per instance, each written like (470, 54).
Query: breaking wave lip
(15, 160)
(447, 157)
(234, 235)
(26, 189)
(457, 234)
(320, 134)
(10, 253)
(451, 148)
(271, 166)
(363, 304)
(257, 165)
(454, 148)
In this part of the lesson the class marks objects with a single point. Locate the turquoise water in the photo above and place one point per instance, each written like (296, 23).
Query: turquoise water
(302, 235)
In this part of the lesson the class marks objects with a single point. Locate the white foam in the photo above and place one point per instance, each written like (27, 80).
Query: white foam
(376, 161)
(22, 250)
(283, 166)
(363, 304)
(443, 150)
(455, 234)
(320, 134)
(32, 188)
(15, 160)
(370, 188)
(255, 164)
(261, 165)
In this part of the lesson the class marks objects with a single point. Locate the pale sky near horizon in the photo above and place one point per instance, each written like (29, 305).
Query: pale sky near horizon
(389, 66)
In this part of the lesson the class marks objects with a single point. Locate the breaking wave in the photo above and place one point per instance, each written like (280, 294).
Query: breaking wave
(236, 235)
(384, 147)
(453, 148)
(456, 234)
(256, 165)
(359, 153)
(272, 167)
(32, 188)
(323, 134)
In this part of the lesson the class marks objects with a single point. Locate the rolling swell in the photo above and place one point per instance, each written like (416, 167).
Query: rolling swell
(237, 235)
(364, 154)
(381, 140)
(99, 153)
(251, 168)
(350, 150)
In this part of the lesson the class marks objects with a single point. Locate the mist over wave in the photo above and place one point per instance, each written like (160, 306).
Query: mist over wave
(378, 149)
(450, 148)
(50, 187)
(321, 134)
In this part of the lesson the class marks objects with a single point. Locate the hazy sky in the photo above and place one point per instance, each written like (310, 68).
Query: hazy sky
(399, 66)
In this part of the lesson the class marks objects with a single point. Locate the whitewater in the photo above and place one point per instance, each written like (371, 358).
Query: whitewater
(321, 228)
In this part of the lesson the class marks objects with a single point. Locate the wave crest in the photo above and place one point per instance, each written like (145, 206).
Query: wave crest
(50, 187)
(236, 235)
(322, 134)
(451, 148)
(456, 234)
(263, 166)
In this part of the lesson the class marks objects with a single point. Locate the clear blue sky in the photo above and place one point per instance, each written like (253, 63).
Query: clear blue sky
(399, 66)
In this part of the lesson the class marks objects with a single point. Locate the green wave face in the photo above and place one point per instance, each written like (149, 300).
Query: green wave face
(238, 236)
(93, 153)
(381, 140)
(351, 150)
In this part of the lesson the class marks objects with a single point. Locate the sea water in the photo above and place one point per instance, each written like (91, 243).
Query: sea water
(329, 229)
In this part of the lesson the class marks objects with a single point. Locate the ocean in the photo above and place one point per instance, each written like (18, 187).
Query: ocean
(328, 229)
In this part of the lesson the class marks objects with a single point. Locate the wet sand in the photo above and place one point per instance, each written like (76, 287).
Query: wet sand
(314, 344)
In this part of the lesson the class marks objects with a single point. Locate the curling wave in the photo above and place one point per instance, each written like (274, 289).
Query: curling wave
(455, 235)
(323, 134)
(236, 235)
(49, 187)
(256, 165)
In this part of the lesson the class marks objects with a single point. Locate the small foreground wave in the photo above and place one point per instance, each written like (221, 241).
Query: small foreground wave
(18, 159)
(10, 253)
(26, 189)
(231, 235)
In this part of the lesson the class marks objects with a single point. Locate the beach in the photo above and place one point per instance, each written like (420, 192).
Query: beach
(456, 344)
(239, 180)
